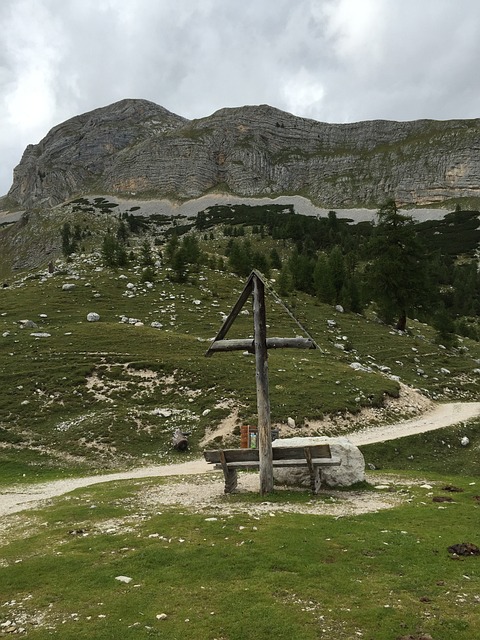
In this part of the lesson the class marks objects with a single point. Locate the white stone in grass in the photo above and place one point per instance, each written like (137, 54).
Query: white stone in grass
(356, 366)
(69, 286)
(161, 616)
(464, 441)
(124, 579)
(93, 317)
(27, 324)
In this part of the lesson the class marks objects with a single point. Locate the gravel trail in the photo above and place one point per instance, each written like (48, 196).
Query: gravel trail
(15, 499)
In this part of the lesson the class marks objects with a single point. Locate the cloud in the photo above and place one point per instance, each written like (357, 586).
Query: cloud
(332, 60)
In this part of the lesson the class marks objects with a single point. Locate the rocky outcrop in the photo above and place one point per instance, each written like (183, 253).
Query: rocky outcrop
(137, 147)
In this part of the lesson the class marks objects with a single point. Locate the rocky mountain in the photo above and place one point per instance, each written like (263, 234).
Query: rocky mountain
(137, 147)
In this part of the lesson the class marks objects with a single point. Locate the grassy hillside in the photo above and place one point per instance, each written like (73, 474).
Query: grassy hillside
(77, 395)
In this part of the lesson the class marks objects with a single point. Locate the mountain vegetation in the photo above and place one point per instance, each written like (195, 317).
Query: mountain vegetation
(78, 394)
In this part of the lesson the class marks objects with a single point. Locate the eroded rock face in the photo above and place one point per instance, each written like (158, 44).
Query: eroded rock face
(351, 471)
(136, 146)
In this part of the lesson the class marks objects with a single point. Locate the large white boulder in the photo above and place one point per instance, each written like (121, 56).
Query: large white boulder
(351, 471)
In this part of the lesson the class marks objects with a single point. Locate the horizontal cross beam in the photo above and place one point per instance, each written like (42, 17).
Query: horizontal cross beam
(249, 344)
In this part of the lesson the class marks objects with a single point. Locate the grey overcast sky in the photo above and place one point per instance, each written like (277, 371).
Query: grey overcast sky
(330, 60)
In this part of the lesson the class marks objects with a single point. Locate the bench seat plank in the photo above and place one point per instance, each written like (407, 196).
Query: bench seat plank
(278, 453)
(312, 457)
(252, 464)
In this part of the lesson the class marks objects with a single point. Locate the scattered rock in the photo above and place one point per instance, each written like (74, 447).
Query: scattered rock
(124, 579)
(69, 286)
(77, 532)
(464, 441)
(27, 324)
(93, 317)
(360, 367)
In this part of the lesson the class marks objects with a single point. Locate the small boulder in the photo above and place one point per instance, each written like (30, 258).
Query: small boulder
(93, 317)
(351, 470)
(27, 324)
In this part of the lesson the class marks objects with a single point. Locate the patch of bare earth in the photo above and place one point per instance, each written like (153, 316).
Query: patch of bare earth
(204, 494)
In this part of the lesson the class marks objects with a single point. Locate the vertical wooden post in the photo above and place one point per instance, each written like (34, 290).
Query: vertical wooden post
(261, 376)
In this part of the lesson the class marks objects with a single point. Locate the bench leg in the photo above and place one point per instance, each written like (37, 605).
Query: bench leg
(315, 473)
(316, 480)
(230, 480)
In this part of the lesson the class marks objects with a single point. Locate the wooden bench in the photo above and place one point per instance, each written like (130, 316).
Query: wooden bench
(312, 457)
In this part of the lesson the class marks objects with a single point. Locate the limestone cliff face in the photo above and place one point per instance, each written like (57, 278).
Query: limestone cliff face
(135, 146)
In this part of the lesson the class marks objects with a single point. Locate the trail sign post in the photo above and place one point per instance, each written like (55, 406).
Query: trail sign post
(259, 346)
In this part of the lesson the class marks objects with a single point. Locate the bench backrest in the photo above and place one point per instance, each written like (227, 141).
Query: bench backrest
(278, 453)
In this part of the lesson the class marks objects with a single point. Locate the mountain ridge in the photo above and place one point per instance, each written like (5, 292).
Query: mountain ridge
(135, 147)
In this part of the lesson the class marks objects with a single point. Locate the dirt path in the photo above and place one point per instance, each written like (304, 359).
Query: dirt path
(31, 496)
(443, 415)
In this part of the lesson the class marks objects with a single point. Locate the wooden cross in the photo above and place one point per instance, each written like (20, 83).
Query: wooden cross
(259, 346)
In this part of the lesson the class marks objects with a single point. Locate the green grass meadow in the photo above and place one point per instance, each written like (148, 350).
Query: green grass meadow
(80, 398)
(379, 576)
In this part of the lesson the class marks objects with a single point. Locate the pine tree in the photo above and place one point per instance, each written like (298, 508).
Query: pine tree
(323, 281)
(146, 256)
(398, 271)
